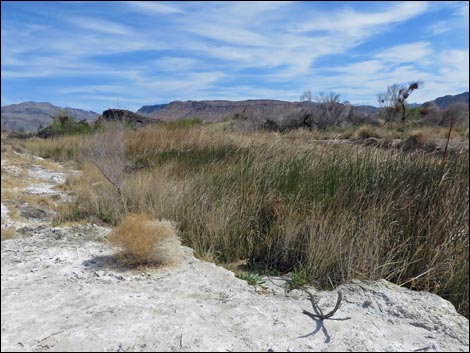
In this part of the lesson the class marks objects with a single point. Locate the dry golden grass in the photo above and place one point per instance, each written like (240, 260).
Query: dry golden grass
(422, 136)
(82, 222)
(17, 199)
(367, 131)
(13, 212)
(145, 241)
(429, 135)
(48, 164)
(64, 148)
(8, 233)
(88, 190)
(12, 181)
(15, 177)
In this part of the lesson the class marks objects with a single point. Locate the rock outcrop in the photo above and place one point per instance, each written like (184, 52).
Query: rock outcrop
(126, 116)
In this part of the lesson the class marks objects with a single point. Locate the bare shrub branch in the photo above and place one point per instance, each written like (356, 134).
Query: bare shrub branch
(322, 316)
(107, 153)
(306, 96)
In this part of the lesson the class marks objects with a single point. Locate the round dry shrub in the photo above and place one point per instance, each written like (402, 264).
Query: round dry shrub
(144, 240)
(367, 131)
(422, 136)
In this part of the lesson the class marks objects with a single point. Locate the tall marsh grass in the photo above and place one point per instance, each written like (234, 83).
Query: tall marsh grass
(338, 211)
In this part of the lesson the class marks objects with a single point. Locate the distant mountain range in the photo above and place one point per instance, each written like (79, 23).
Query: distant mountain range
(29, 116)
(444, 102)
(262, 113)
(216, 110)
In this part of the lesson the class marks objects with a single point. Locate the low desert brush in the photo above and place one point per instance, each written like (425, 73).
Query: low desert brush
(424, 136)
(253, 279)
(145, 241)
(8, 233)
(367, 131)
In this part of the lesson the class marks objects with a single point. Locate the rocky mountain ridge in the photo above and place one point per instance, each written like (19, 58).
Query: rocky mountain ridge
(149, 109)
(276, 114)
(29, 116)
(266, 113)
(445, 101)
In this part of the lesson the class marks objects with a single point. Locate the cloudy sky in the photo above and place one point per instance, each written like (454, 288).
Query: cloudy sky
(96, 55)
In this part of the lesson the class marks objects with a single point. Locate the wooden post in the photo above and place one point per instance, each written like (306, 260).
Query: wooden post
(448, 136)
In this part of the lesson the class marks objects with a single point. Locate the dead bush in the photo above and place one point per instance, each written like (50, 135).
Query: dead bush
(145, 241)
(107, 152)
(422, 136)
(367, 131)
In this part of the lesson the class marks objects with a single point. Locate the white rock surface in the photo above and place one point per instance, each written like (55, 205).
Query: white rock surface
(62, 290)
(6, 220)
(44, 174)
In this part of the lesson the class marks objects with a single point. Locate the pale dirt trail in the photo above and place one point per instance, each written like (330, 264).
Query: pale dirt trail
(62, 290)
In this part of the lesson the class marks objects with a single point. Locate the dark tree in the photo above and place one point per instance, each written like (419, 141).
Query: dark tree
(395, 99)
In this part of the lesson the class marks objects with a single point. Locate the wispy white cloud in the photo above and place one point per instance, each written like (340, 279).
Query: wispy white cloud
(360, 82)
(463, 9)
(99, 25)
(456, 20)
(153, 85)
(193, 81)
(154, 7)
(439, 27)
(93, 89)
(457, 59)
(253, 46)
(454, 67)
(363, 68)
(242, 27)
(406, 53)
(177, 64)
(356, 23)
(238, 36)
(147, 90)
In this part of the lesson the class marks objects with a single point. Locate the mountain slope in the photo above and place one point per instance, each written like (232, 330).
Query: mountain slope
(216, 110)
(444, 102)
(29, 116)
(148, 110)
(266, 113)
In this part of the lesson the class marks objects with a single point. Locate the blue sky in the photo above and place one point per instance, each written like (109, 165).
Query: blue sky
(97, 55)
